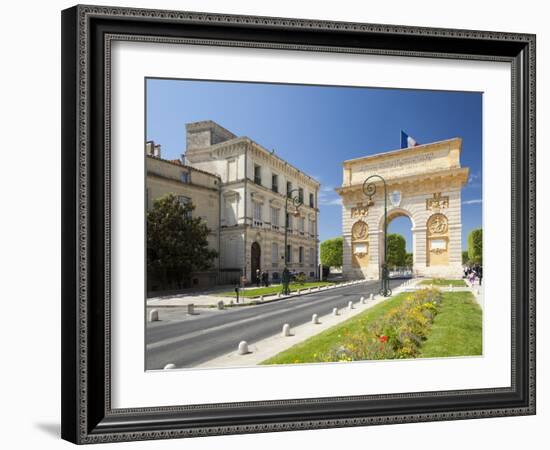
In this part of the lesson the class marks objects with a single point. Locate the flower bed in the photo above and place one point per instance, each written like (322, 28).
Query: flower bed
(397, 334)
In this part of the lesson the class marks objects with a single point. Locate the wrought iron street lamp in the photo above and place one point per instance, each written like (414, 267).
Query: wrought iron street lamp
(369, 189)
(292, 197)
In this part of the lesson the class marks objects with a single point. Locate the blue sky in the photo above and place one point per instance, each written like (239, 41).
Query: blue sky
(315, 128)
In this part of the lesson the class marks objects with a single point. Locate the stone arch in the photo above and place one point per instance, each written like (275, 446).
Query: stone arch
(393, 213)
(417, 182)
(437, 240)
(360, 244)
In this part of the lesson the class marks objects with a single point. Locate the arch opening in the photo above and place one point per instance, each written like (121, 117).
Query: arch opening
(401, 254)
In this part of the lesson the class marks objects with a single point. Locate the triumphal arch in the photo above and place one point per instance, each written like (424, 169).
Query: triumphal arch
(422, 182)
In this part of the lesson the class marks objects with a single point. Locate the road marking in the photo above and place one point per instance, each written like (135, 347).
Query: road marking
(182, 338)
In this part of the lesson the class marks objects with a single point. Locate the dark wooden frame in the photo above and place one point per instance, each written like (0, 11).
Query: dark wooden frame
(87, 416)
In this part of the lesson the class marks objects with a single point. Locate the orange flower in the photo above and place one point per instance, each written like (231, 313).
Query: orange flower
(383, 338)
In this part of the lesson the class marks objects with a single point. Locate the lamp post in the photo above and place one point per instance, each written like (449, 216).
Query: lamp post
(369, 189)
(296, 201)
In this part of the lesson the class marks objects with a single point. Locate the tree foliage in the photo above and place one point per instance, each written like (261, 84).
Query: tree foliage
(465, 257)
(409, 260)
(177, 243)
(397, 251)
(332, 252)
(475, 246)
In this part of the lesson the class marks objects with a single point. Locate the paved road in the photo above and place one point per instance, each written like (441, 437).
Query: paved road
(190, 340)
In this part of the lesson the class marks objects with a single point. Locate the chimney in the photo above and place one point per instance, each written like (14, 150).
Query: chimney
(205, 134)
(152, 149)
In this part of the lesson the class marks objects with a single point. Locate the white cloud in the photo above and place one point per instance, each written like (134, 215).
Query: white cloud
(472, 202)
(331, 201)
(329, 197)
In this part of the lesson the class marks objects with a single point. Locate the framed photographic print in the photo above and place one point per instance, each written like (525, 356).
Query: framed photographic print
(282, 224)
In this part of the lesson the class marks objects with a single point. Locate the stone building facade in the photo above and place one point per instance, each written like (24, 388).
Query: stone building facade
(240, 189)
(422, 182)
(253, 191)
(189, 185)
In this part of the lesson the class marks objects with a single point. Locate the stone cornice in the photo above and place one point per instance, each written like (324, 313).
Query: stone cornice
(456, 175)
(406, 151)
(179, 183)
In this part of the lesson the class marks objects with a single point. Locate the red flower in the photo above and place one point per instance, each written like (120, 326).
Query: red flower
(383, 338)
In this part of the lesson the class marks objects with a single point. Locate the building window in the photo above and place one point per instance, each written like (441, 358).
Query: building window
(301, 255)
(232, 170)
(184, 201)
(275, 218)
(275, 182)
(185, 177)
(301, 194)
(257, 174)
(230, 211)
(301, 224)
(288, 254)
(288, 188)
(257, 214)
(274, 254)
(311, 228)
(311, 200)
(311, 257)
(289, 221)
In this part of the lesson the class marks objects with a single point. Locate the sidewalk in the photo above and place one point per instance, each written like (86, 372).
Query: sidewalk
(211, 300)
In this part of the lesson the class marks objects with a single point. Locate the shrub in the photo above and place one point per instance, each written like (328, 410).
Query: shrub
(300, 278)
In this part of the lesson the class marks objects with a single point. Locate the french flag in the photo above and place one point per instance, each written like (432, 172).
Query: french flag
(407, 141)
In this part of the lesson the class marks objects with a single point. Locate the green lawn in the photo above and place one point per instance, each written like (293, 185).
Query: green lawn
(456, 330)
(444, 283)
(323, 342)
(273, 289)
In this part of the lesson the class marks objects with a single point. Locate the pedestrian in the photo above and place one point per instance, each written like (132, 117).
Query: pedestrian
(258, 278)
(479, 272)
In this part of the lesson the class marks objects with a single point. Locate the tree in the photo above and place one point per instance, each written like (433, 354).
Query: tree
(397, 251)
(409, 260)
(475, 246)
(177, 243)
(332, 252)
(465, 258)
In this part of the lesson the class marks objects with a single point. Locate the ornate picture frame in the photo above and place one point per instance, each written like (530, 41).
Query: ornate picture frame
(87, 35)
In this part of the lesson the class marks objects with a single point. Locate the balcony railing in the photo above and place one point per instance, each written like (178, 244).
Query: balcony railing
(257, 223)
(257, 180)
(275, 188)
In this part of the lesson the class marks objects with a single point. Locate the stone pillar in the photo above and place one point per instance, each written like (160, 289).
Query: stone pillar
(419, 250)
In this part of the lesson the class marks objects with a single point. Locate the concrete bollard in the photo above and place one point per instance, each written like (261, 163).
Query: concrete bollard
(371, 297)
(231, 303)
(279, 295)
(169, 366)
(286, 330)
(350, 305)
(309, 290)
(220, 304)
(191, 309)
(299, 291)
(243, 348)
(261, 298)
(153, 315)
(451, 287)
(315, 319)
(362, 300)
(335, 312)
